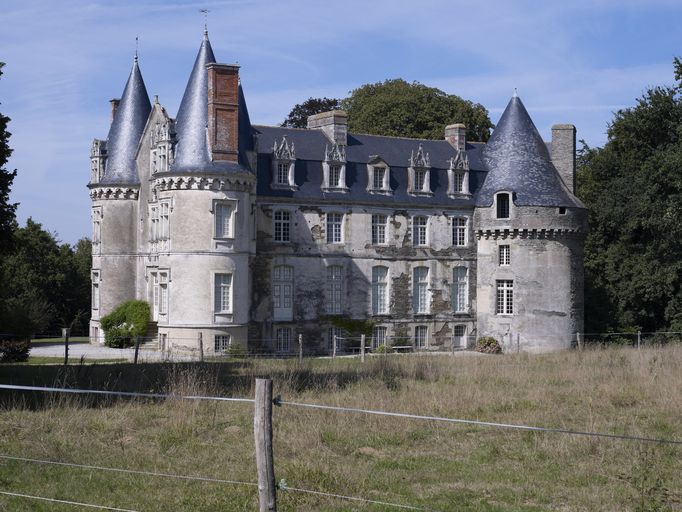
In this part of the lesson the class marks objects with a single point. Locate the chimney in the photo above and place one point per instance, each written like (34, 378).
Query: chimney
(114, 107)
(223, 111)
(456, 135)
(563, 153)
(334, 124)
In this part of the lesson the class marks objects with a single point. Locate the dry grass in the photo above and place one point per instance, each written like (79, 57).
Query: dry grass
(434, 465)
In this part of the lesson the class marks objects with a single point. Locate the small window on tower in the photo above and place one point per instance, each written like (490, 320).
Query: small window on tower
(503, 205)
(562, 210)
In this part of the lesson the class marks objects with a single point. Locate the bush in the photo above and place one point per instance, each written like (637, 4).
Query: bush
(236, 350)
(384, 349)
(14, 350)
(488, 345)
(127, 321)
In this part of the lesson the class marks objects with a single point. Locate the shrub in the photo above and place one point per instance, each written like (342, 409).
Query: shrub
(488, 345)
(14, 350)
(236, 350)
(384, 349)
(127, 321)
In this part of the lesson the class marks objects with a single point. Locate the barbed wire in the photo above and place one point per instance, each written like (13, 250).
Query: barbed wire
(66, 502)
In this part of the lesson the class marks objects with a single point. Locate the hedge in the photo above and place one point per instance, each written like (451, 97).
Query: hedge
(127, 321)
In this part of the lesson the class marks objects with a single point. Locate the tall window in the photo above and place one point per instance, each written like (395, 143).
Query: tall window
(95, 289)
(419, 225)
(378, 178)
(223, 220)
(503, 206)
(421, 333)
(154, 223)
(459, 231)
(378, 336)
(505, 297)
(334, 289)
(282, 226)
(163, 293)
(459, 336)
(505, 255)
(283, 173)
(222, 342)
(96, 229)
(164, 221)
(335, 176)
(378, 229)
(331, 332)
(282, 292)
(458, 183)
(223, 293)
(334, 228)
(419, 179)
(283, 339)
(420, 290)
(460, 290)
(379, 290)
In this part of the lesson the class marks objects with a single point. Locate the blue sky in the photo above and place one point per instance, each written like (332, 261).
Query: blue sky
(572, 62)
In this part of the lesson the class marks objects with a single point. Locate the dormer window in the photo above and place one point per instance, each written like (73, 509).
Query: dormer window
(419, 173)
(283, 164)
(378, 176)
(458, 175)
(98, 155)
(161, 148)
(334, 169)
(502, 205)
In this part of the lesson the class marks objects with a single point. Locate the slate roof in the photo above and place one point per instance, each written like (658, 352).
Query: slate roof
(126, 130)
(518, 160)
(395, 151)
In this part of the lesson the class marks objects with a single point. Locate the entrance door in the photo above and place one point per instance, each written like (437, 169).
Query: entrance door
(459, 337)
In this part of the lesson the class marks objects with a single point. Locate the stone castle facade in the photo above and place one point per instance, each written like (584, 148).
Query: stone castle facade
(244, 234)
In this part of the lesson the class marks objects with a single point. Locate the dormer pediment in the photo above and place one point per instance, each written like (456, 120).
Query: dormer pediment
(284, 151)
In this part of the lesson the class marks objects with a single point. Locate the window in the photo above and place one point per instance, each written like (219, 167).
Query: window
(460, 290)
(378, 229)
(331, 332)
(379, 290)
(562, 210)
(164, 221)
(420, 290)
(419, 225)
(159, 231)
(282, 292)
(458, 182)
(505, 297)
(335, 176)
(334, 289)
(378, 178)
(163, 293)
(95, 289)
(459, 231)
(421, 333)
(505, 255)
(378, 336)
(223, 293)
(96, 229)
(282, 226)
(334, 225)
(223, 220)
(282, 173)
(503, 206)
(283, 339)
(419, 179)
(222, 342)
(459, 336)
(154, 221)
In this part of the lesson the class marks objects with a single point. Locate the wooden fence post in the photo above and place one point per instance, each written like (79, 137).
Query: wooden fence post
(334, 347)
(639, 340)
(362, 348)
(518, 343)
(201, 347)
(262, 431)
(300, 347)
(137, 348)
(580, 343)
(66, 331)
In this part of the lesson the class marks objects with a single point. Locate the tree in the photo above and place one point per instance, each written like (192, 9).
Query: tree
(298, 117)
(401, 109)
(633, 188)
(7, 209)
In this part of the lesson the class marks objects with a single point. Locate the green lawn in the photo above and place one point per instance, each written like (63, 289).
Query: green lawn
(75, 339)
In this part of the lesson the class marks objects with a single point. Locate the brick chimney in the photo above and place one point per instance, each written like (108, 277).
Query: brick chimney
(563, 153)
(114, 107)
(223, 111)
(334, 124)
(456, 135)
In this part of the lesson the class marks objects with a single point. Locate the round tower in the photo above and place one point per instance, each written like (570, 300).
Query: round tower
(530, 229)
(114, 189)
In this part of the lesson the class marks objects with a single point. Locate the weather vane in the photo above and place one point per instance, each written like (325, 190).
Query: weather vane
(205, 12)
(136, 45)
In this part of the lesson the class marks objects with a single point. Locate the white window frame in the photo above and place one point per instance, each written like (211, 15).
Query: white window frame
(164, 298)
(334, 295)
(420, 231)
(375, 186)
(379, 336)
(96, 279)
(504, 255)
(379, 229)
(504, 297)
(380, 290)
(283, 337)
(331, 331)
(499, 207)
(460, 289)
(96, 230)
(281, 226)
(421, 337)
(420, 290)
(334, 227)
(223, 293)
(460, 336)
(460, 231)
(288, 167)
(283, 292)
(229, 222)
(222, 342)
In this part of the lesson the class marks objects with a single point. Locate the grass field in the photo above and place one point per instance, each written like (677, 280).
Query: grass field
(420, 463)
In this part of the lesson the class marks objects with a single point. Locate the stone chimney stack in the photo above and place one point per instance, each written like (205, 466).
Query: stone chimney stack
(563, 153)
(456, 135)
(334, 124)
(114, 107)
(223, 111)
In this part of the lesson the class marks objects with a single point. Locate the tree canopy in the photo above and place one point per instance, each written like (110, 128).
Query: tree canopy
(401, 109)
(7, 209)
(633, 188)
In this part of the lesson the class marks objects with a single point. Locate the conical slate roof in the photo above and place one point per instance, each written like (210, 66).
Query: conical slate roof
(191, 125)
(126, 130)
(517, 160)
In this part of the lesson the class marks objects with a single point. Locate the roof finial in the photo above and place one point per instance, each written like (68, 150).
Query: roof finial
(136, 45)
(515, 95)
(205, 11)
